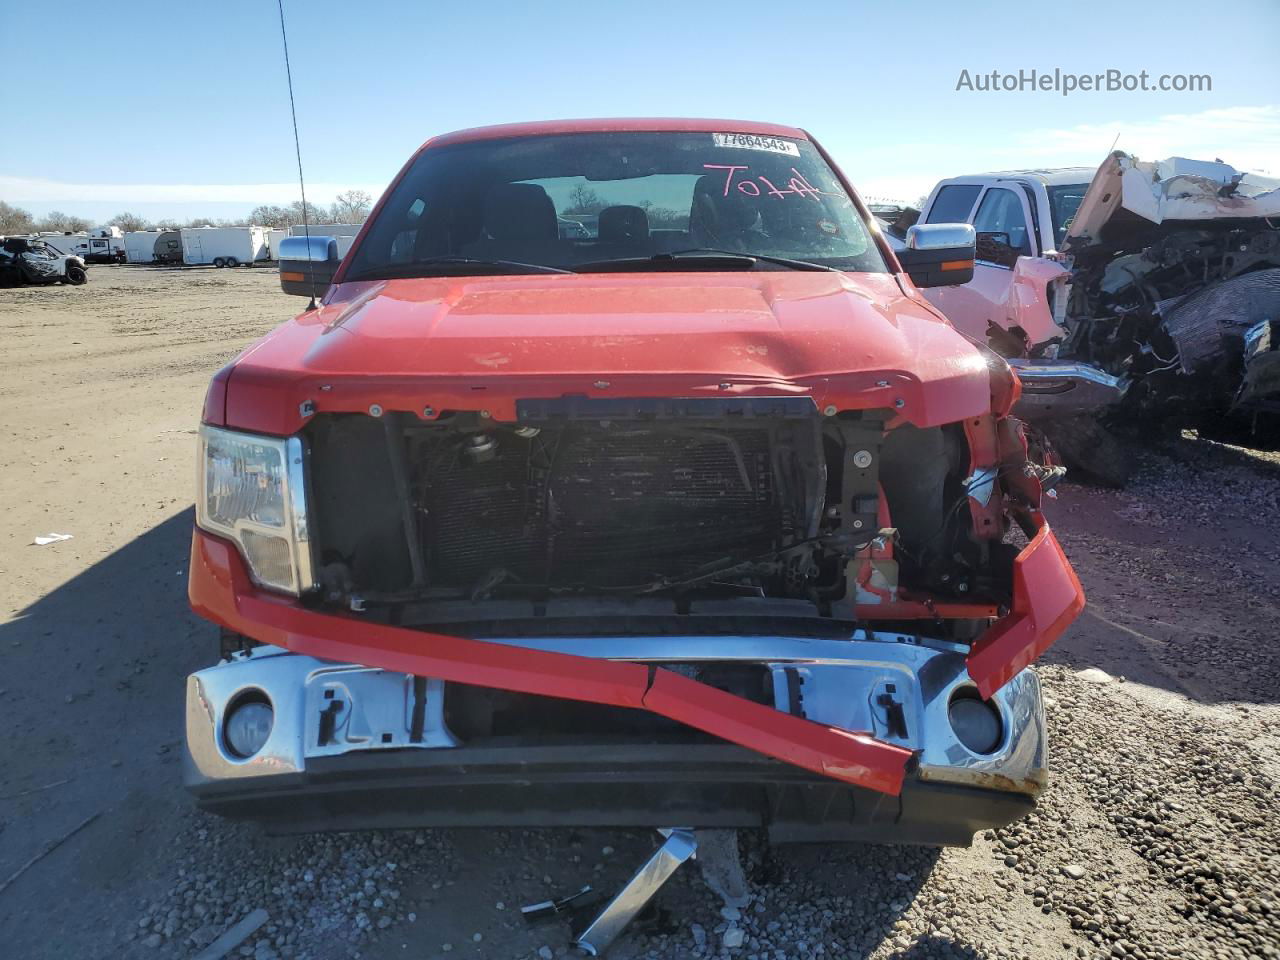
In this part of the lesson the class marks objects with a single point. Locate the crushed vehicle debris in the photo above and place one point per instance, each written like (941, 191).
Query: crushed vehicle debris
(689, 518)
(1177, 272)
(1146, 290)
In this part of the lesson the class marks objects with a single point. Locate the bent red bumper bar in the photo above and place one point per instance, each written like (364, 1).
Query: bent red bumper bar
(220, 590)
(1047, 597)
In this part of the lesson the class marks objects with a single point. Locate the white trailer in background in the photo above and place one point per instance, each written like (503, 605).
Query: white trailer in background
(140, 246)
(153, 246)
(71, 244)
(326, 229)
(224, 246)
(274, 237)
(344, 233)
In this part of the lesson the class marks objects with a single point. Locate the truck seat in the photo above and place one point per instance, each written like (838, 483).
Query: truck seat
(623, 232)
(519, 224)
(719, 220)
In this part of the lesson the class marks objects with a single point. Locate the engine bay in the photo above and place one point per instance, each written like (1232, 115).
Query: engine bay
(645, 510)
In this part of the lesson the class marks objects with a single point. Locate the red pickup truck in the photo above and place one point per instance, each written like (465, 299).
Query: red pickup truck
(697, 514)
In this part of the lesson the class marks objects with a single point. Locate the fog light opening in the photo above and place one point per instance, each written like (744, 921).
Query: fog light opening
(976, 722)
(248, 724)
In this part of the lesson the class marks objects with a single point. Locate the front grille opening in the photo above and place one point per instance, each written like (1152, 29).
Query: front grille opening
(476, 713)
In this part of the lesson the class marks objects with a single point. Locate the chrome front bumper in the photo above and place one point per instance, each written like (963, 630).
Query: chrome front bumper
(896, 687)
(1060, 388)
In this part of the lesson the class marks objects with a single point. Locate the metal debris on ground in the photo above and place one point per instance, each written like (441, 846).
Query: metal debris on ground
(233, 937)
(546, 909)
(679, 846)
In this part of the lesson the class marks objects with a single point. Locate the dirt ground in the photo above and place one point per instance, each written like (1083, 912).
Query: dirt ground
(1157, 838)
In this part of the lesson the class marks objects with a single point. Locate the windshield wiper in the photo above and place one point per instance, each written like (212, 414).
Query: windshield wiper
(706, 256)
(441, 266)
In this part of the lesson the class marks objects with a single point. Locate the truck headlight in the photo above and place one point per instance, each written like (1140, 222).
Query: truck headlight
(251, 490)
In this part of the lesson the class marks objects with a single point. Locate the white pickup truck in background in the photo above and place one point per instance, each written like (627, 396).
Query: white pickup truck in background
(1021, 219)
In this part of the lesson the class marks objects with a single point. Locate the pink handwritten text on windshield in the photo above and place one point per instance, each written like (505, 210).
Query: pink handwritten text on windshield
(736, 178)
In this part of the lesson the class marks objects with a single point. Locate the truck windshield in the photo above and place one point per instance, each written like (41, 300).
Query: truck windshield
(1064, 201)
(592, 201)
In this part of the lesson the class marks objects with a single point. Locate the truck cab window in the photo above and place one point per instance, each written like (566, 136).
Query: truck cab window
(953, 203)
(1001, 212)
(1063, 204)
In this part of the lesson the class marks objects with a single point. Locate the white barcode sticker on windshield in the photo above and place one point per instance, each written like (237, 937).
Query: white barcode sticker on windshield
(751, 141)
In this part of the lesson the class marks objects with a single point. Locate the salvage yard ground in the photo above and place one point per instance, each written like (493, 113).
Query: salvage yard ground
(1159, 836)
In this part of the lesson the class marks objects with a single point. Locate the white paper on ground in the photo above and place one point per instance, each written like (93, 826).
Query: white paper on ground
(51, 538)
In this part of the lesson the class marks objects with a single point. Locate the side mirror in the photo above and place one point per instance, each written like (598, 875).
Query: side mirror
(938, 254)
(307, 264)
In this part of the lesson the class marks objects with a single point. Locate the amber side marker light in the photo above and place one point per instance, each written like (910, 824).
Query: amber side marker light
(947, 265)
(292, 277)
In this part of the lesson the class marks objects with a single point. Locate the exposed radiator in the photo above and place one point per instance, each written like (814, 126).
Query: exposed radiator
(597, 505)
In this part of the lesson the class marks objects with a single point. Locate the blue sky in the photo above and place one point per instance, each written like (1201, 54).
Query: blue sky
(179, 109)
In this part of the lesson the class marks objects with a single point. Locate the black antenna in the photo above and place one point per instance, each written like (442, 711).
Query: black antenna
(297, 146)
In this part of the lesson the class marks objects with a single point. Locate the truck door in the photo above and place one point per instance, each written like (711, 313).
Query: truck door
(1002, 221)
(192, 252)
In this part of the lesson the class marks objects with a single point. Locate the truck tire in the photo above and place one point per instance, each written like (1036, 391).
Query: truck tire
(76, 275)
(1088, 447)
(219, 262)
(232, 262)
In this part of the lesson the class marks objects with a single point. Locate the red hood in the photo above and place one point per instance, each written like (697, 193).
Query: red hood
(481, 343)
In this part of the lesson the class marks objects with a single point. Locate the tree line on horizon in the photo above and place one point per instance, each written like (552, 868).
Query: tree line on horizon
(350, 207)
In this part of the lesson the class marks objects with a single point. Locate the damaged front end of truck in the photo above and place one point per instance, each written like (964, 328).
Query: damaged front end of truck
(716, 611)
(708, 522)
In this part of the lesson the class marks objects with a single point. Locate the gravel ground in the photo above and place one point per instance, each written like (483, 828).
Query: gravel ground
(1157, 838)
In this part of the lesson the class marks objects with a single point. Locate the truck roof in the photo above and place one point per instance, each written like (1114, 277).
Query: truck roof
(618, 125)
(1049, 176)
